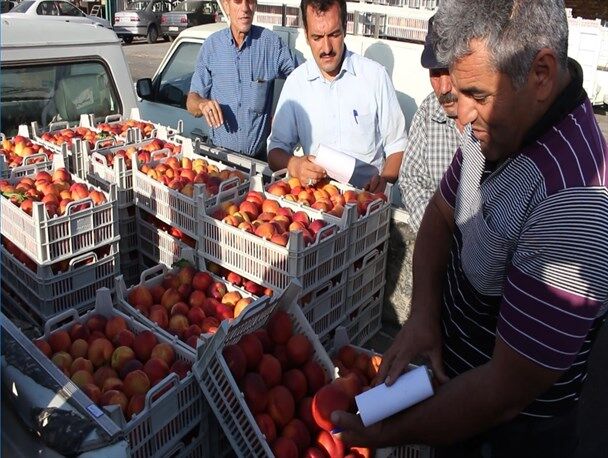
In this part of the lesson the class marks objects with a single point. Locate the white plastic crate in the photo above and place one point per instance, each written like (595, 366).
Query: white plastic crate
(195, 444)
(364, 322)
(172, 407)
(158, 245)
(22, 315)
(273, 265)
(327, 305)
(154, 276)
(218, 384)
(30, 164)
(47, 240)
(175, 208)
(366, 275)
(134, 134)
(48, 293)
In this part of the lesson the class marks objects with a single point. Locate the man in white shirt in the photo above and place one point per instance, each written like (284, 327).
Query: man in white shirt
(341, 100)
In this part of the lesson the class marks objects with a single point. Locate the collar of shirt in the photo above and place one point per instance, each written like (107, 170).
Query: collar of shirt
(313, 72)
(230, 39)
(439, 116)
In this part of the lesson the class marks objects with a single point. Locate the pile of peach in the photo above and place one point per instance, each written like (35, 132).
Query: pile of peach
(323, 196)
(188, 303)
(121, 127)
(110, 363)
(55, 191)
(288, 392)
(15, 150)
(143, 153)
(238, 280)
(59, 137)
(182, 174)
(267, 219)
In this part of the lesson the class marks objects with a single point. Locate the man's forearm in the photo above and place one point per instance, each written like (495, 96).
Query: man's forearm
(278, 159)
(192, 104)
(391, 168)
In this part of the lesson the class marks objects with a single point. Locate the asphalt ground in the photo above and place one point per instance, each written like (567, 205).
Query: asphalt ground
(144, 58)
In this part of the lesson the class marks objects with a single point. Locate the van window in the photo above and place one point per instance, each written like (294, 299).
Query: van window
(55, 92)
(173, 84)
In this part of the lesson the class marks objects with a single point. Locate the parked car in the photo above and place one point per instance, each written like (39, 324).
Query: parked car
(57, 10)
(141, 19)
(7, 5)
(187, 14)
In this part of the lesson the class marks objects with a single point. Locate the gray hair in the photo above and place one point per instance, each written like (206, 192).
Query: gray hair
(513, 31)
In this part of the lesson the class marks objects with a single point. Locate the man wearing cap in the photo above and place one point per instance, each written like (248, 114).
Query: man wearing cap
(433, 138)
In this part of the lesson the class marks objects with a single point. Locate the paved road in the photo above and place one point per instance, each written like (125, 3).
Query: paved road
(144, 58)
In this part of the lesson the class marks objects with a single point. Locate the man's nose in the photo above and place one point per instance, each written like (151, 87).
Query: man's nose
(326, 46)
(467, 113)
(445, 84)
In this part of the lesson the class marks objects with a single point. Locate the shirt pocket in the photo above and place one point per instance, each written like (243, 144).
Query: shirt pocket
(259, 92)
(485, 255)
(363, 135)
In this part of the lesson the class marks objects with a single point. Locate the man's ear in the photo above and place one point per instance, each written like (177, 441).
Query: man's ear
(544, 73)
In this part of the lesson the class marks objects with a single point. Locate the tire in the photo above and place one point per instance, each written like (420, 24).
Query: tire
(127, 40)
(168, 38)
(152, 35)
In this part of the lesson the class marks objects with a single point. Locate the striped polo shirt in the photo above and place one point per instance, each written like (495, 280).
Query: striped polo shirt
(242, 82)
(529, 258)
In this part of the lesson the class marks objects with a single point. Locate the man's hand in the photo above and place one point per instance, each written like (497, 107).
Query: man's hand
(304, 168)
(212, 112)
(376, 184)
(416, 338)
(353, 433)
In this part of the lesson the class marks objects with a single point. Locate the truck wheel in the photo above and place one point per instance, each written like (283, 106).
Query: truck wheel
(128, 39)
(152, 35)
(168, 38)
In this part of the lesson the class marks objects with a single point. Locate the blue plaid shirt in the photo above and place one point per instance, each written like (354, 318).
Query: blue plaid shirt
(241, 80)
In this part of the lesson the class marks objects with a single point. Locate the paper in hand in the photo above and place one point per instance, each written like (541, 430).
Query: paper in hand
(338, 165)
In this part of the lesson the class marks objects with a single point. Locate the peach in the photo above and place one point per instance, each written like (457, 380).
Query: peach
(327, 400)
(269, 369)
(170, 297)
(112, 383)
(331, 445)
(281, 406)
(297, 431)
(236, 361)
(82, 377)
(114, 325)
(79, 348)
(267, 426)
(60, 341)
(120, 356)
(284, 447)
(362, 363)
(305, 414)
(241, 305)
(184, 290)
(347, 354)
(253, 288)
(92, 391)
(247, 227)
(114, 397)
(373, 367)
(79, 331)
(301, 217)
(136, 405)
(95, 335)
(250, 208)
(143, 344)
(299, 349)
(280, 239)
(186, 274)
(315, 376)
(349, 384)
(130, 366)
(192, 341)
(156, 369)
(201, 281)
(44, 347)
(192, 330)
(296, 226)
(210, 325)
(81, 363)
(100, 352)
(159, 315)
(102, 374)
(178, 325)
(97, 323)
(165, 352)
(197, 298)
(280, 353)
(314, 452)
(231, 298)
(224, 312)
(124, 338)
(264, 339)
(217, 290)
(266, 230)
(295, 381)
(136, 382)
(181, 367)
(278, 189)
(316, 226)
(255, 391)
(170, 280)
(252, 348)
(157, 292)
(196, 316)
(63, 361)
(280, 327)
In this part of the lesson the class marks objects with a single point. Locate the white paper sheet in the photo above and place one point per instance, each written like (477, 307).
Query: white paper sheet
(381, 401)
(338, 165)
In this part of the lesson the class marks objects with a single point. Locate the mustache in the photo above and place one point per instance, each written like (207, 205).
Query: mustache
(447, 98)
(331, 54)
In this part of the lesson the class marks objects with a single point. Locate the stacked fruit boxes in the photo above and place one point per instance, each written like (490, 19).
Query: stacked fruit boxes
(59, 239)
(20, 155)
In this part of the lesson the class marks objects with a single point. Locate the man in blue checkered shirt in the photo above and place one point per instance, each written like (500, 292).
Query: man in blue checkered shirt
(433, 139)
(233, 82)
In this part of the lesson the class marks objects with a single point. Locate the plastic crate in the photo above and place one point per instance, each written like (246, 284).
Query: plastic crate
(220, 445)
(221, 390)
(273, 265)
(47, 240)
(365, 321)
(22, 315)
(196, 444)
(154, 276)
(173, 407)
(366, 275)
(158, 245)
(48, 293)
(176, 208)
(327, 305)
(30, 164)
(134, 134)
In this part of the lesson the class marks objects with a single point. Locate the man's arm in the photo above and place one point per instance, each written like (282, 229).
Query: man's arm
(389, 173)
(302, 167)
(199, 106)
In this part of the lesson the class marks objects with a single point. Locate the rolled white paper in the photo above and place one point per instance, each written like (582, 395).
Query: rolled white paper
(338, 165)
(383, 401)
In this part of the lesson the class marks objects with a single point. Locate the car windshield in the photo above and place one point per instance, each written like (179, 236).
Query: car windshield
(187, 6)
(22, 7)
(137, 6)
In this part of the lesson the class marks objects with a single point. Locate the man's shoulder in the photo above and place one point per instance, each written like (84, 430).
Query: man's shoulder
(362, 63)
(265, 35)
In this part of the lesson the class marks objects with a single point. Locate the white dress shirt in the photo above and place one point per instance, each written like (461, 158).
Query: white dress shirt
(356, 113)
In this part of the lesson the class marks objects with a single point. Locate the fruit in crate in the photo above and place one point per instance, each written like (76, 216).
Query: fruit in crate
(113, 374)
(57, 191)
(68, 136)
(365, 366)
(142, 152)
(16, 149)
(291, 400)
(120, 128)
(267, 219)
(183, 174)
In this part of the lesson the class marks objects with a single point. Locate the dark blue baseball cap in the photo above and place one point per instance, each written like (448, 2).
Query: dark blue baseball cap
(429, 58)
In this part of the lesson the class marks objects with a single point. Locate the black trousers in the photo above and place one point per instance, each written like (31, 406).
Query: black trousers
(522, 437)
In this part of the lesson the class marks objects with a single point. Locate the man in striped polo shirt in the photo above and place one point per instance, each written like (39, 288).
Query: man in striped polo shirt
(510, 278)
(233, 82)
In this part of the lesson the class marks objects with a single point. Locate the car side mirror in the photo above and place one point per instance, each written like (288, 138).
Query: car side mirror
(144, 88)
